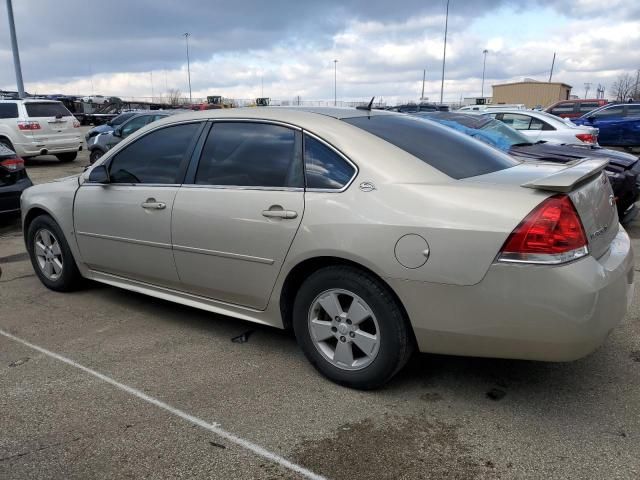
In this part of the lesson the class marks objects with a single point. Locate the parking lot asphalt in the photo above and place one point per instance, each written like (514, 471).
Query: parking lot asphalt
(442, 417)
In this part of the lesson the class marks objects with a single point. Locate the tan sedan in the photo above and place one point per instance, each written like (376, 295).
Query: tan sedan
(369, 233)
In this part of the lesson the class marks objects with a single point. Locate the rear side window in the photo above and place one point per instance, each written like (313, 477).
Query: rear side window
(8, 110)
(323, 167)
(246, 154)
(135, 124)
(47, 110)
(156, 157)
(517, 121)
(445, 149)
(633, 111)
(615, 111)
(563, 108)
(588, 106)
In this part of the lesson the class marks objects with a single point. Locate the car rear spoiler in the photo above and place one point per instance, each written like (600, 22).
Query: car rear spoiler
(565, 180)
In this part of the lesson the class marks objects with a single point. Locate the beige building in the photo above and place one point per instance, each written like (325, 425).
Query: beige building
(531, 93)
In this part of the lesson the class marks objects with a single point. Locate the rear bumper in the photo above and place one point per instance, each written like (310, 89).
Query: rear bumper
(530, 312)
(10, 195)
(33, 148)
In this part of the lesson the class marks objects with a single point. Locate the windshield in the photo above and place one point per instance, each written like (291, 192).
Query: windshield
(453, 154)
(120, 119)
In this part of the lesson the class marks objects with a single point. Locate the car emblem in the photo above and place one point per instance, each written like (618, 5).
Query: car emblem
(367, 187)
(612, 200)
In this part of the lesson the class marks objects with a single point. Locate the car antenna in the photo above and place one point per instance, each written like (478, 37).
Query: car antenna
(367, 107)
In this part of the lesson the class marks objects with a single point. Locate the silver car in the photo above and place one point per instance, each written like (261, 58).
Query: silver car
(371, 234)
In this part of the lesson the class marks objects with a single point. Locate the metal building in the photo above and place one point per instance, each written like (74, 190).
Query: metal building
(531, 92)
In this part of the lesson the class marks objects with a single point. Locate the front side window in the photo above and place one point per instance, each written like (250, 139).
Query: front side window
(49, 109)
(156, 157)
(123, 117)
(246, 154)
(323, 167)
(633, 111)
(134, 125)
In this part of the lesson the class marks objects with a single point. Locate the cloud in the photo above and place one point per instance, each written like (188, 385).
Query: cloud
(290, 46)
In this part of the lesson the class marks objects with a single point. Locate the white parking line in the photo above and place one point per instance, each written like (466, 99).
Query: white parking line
(212, 427)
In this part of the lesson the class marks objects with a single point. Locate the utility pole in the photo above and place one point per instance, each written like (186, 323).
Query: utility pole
(186, 37)
(484, 65)
(587, 87)
(444, 52)
(152, 93)
(335, 83)
(424, 74)
(14, 48)
(552, 64)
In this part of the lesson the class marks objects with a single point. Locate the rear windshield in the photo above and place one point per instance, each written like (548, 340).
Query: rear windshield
(443, 148)
(52, 109)
(8, 110)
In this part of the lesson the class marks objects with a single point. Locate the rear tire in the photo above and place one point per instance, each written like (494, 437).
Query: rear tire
(67, 157)
(50, 255)
(362, 338)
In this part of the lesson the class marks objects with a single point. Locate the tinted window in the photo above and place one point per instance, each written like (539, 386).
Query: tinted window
(251, 155)
(324, 168)
(123, 117)
(135, 124)
(8, 110)
(451, 152)
(615, 111)
(633, 110)
(563, 108)
(154, 158)
(588, 106)
(46, 110)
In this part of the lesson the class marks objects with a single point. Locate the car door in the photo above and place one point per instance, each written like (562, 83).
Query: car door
(124, 227)
(630, 127)
(608, 121)
(233, 225)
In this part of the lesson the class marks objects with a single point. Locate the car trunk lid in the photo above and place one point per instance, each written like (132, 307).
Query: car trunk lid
(54, 119)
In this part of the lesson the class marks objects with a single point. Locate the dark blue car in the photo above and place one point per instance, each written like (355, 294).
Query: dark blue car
(619, 124)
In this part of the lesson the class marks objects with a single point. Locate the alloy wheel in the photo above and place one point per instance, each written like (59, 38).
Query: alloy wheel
(344, 329)
(48, 254)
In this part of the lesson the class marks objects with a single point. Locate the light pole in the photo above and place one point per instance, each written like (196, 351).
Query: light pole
(484, 65)
(335, 83)
(444, 53)
(14, 47)
(186, 37)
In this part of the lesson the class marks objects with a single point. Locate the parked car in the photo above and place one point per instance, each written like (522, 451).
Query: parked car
(104, 141)
(419, 107)
(618, 124)
(110, 125)
(490, 106)
(39, 127)
(98, 99)
(544, 126)
(623, 169)
(13, 180)
(370, 233)
(575, 108)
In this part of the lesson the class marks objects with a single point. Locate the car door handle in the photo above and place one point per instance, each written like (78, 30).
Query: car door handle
(277, 211)
(151, 204)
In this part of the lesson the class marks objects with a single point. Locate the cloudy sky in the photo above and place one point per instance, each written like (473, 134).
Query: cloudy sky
(117, 47)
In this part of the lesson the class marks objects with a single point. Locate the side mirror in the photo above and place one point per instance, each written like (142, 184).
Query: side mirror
(117, 132)
(99, 174)
(591, 118)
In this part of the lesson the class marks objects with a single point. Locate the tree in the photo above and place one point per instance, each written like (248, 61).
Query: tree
(623, 88)
(174, 96)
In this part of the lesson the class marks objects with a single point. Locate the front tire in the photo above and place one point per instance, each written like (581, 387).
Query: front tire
(351, 328)
(95, 156)
(67, 157)
(50, 255)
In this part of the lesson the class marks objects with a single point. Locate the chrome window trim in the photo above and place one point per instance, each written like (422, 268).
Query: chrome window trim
(241, 187)
(93, 184)
(215, 120)
(356, 170)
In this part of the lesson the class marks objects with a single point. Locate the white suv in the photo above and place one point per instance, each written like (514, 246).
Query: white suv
(39, 127)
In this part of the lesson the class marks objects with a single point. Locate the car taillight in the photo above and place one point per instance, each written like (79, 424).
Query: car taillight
(13, 164)
(552, 233)
(587, 137)
(76, 124)
(30, 125)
